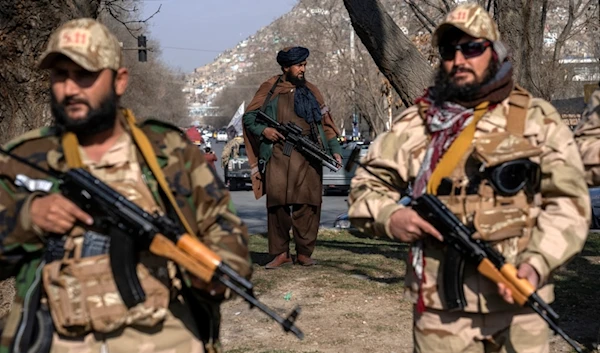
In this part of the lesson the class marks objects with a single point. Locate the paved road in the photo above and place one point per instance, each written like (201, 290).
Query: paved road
(254, 212)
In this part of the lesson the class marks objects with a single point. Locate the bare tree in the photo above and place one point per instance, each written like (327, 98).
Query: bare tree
(393, 52)
(155, 90)
(522, 24)
(25, 27)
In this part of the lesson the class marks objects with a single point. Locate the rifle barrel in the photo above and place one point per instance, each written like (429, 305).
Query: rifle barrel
(286, 324)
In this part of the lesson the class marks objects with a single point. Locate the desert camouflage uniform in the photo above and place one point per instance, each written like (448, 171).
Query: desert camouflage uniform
(199, 193)
(587, 135)
(559, 217)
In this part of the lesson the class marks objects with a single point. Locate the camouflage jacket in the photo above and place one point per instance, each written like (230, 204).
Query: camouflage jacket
(587, 136)
(200, 194)
(561, 218)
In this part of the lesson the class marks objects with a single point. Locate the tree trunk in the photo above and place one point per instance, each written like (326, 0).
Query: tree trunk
(25, 26)
(394, 54)
(521, 25)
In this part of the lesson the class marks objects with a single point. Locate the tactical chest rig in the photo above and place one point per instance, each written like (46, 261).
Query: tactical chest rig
(80, 284)
(492, 186)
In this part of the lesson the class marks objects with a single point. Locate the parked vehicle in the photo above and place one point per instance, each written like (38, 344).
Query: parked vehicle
(222, 136)
(340, 181)
(236, 169)
(205, 144)
(206, 135)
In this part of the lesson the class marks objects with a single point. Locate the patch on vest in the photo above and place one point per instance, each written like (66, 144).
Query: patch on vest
(33, 184)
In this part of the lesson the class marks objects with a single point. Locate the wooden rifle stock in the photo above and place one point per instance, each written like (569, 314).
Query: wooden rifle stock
(164, 247)
(487, 269)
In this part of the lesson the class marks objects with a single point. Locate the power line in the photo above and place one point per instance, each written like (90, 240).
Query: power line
(193, 49)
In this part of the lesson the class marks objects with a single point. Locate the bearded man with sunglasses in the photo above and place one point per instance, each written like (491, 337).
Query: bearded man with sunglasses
(504, 164)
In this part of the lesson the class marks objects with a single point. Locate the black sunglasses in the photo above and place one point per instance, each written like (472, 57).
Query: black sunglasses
(468, 50)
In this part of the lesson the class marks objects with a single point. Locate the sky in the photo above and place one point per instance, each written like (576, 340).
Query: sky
(206, 27)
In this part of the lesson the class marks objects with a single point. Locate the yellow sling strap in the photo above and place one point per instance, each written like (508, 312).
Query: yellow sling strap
(457, 149)
(145, 146)
(70, 146)
(71, 152)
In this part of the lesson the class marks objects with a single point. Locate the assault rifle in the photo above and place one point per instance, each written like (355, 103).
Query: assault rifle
(490, 263)
(131, 228)
(294, 139)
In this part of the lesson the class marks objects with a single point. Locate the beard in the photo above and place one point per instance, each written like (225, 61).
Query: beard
(97, 120)
(295, 80)
(446, 90)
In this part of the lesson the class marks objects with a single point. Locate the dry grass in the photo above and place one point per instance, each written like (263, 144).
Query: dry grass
(352, 301)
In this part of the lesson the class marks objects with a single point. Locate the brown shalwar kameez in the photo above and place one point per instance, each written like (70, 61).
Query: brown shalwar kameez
(294, 189)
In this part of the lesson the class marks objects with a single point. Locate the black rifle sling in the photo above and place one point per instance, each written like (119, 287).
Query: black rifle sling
(270, 94)
(314, 132)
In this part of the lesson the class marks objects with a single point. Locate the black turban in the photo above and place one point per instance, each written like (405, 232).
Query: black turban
(292, 56)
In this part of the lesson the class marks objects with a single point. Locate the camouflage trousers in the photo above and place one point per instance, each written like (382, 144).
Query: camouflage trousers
(174, 335)
(520, 331)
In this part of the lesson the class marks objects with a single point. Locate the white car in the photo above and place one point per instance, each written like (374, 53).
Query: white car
(205, 144)
(222, 136)
(206, 135)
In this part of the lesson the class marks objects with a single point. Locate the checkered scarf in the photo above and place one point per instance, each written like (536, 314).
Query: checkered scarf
(445, 123)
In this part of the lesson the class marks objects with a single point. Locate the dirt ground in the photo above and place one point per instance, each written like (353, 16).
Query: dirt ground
(352, 301)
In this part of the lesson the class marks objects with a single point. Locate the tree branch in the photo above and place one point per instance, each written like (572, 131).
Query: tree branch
(394, 54)
(427, 22)
(116, 11)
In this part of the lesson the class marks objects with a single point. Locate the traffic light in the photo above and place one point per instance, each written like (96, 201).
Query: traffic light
(142, 52)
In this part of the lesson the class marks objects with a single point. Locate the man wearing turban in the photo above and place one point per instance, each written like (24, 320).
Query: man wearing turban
(293, 184)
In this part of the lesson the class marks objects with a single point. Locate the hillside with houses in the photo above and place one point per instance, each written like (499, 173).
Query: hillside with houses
(244, 66)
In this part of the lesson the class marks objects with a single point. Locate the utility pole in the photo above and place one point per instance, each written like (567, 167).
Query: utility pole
(355, 120)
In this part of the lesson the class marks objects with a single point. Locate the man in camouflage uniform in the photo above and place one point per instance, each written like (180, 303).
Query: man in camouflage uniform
(472, 119)
(48, 241)
(587, 136)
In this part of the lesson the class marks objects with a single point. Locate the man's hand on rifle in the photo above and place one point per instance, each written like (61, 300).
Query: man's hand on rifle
(272, 134)
(525, 271)
(337, 157)
(407, 226)
(55, 213)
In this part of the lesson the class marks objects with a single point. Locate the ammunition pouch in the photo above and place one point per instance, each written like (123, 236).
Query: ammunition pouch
(492, 190)
(82, 293)
(83, 297)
